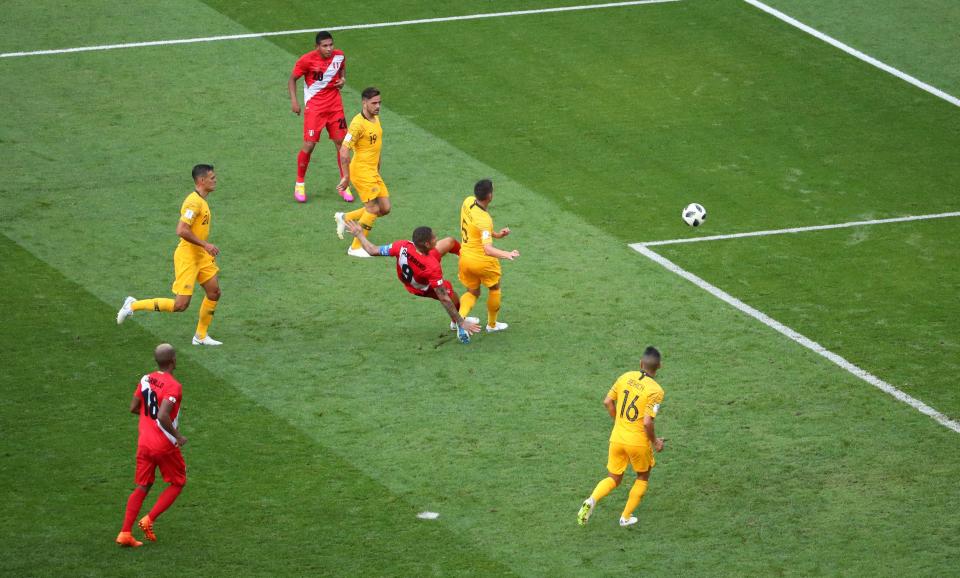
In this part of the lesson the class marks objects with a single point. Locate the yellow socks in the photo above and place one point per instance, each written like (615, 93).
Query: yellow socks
(605, 486)
(636, 494)
(354, 215)
(366, 221)
(206, 316)
(467, 301)
(165, 305)
(493, 307)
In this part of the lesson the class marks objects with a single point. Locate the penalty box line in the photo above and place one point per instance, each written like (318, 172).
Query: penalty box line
(796, 230)
(335, 28)
(801, 339)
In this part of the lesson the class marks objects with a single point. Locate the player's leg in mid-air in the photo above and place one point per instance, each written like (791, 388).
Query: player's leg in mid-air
(616, 464)
(376, 204)
(186, 271)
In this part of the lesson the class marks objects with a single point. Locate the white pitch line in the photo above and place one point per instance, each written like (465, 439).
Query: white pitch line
(334, 28)
(796, 230)
(802, 340)
(854, 52)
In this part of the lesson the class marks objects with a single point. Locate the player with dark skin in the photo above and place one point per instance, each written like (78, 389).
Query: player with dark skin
(204, 185)
(649, 364)
(166, 359)
(325, 48)
(443, 247)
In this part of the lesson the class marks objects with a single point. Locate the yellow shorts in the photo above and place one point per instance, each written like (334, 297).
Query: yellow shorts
(640, 457)
(370, 188)
(188, 270)
(473, 273)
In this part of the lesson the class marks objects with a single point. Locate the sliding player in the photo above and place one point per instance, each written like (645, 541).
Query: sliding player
(479, 259)
(323, 77)
(193, 261)
(365, 139)
(419, 269)
(633, 437)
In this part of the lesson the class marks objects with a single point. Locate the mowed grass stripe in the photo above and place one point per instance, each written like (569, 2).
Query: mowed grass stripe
(484, 433)
(256, 484)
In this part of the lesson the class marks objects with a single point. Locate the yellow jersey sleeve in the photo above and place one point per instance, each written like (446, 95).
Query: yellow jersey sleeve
(190, 210)
(354, 133)
(484, 224)
(653, 403)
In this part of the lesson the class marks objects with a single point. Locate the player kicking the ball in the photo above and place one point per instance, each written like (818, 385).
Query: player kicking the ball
(633, 438)
(323, 77)
(419, 269)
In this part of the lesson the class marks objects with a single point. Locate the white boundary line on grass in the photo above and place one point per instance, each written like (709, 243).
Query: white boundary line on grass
(854, 52)
(796, 230)
(802, 340)
(334, 28)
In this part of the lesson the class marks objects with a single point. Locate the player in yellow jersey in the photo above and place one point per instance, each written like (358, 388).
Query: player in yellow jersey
(193, 261)
(365, 139)
(633, 402)
(479, 259)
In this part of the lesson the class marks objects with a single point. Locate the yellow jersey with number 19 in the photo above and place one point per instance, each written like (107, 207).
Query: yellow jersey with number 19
(636, 395)
(365, 139)
(476, 230)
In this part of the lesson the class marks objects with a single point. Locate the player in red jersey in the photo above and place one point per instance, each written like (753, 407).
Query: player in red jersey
(323, 77)
(419, 269)
(157, 401)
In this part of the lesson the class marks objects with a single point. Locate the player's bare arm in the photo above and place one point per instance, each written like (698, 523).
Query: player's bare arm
(656, 442)
(444, 298)
(501, 233)
(184, 232)
(135, 404)
(292, 89)
(491, 251)
(611, 406)
(167, 424)
(345, 165)
(357, 231)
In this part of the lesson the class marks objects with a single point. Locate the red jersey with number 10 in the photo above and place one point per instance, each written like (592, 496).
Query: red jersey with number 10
(319, 76)
(152, 390)
(419, 273)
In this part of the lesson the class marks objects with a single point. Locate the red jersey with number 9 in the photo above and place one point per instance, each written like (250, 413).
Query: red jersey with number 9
(419, 273)
(152, 390)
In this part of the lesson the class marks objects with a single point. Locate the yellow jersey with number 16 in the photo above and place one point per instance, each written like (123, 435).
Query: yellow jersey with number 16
(636, 395)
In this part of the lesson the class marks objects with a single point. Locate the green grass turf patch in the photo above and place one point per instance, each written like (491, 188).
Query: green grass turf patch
(262, 498)
(916, 36)
(777, 461)
(889, 308)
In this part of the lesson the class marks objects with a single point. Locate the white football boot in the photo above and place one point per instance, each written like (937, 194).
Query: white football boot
(500, 326)
(358, 252)
(341, 224)
(624, 522)
(126, 310)
(206, 340)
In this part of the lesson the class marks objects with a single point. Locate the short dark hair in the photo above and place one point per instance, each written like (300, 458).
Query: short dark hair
(369, 93)
(483, 189)
(652, 351)
(422, 236)
(200, 171)
(323, 35)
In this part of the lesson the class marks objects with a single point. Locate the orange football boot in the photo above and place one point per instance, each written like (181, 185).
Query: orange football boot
(146, 524)
(127, 540)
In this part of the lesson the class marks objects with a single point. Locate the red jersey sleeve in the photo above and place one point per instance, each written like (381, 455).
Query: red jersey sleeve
(299, 68)
(395, 248)
(434, 276)
(173, 391)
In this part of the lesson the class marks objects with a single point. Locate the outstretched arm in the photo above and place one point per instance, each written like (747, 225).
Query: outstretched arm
(357, 231)
(491, 251)
(444, 298)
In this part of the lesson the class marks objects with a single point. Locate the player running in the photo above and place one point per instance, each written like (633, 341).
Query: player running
(633, 437)
(323, 77)
(157, 401)
(193, 261)
(479, 259)
(419, 269)
(365, 139)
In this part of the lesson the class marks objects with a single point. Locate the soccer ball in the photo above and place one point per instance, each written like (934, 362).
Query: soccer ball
(694, 214)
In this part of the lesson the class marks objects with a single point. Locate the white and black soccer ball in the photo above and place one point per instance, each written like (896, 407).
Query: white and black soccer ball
(694, 214)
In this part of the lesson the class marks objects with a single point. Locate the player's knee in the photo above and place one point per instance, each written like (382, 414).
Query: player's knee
(384, 211)
(308, 146)
(145, 487)
(213, 294)
(617, 478)
(180, 306)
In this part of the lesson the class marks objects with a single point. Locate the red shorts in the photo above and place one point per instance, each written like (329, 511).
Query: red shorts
(431, 294)
(314, 121)
(172, 467)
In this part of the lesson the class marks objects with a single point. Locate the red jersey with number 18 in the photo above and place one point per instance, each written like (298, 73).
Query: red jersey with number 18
(152, 390)
(419, 273)
(319, 76)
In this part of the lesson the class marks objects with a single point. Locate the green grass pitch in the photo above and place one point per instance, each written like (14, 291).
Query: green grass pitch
(340, 407)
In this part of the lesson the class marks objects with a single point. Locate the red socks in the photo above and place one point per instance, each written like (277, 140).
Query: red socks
(303, 161)
(166, 499)
(133, 508)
